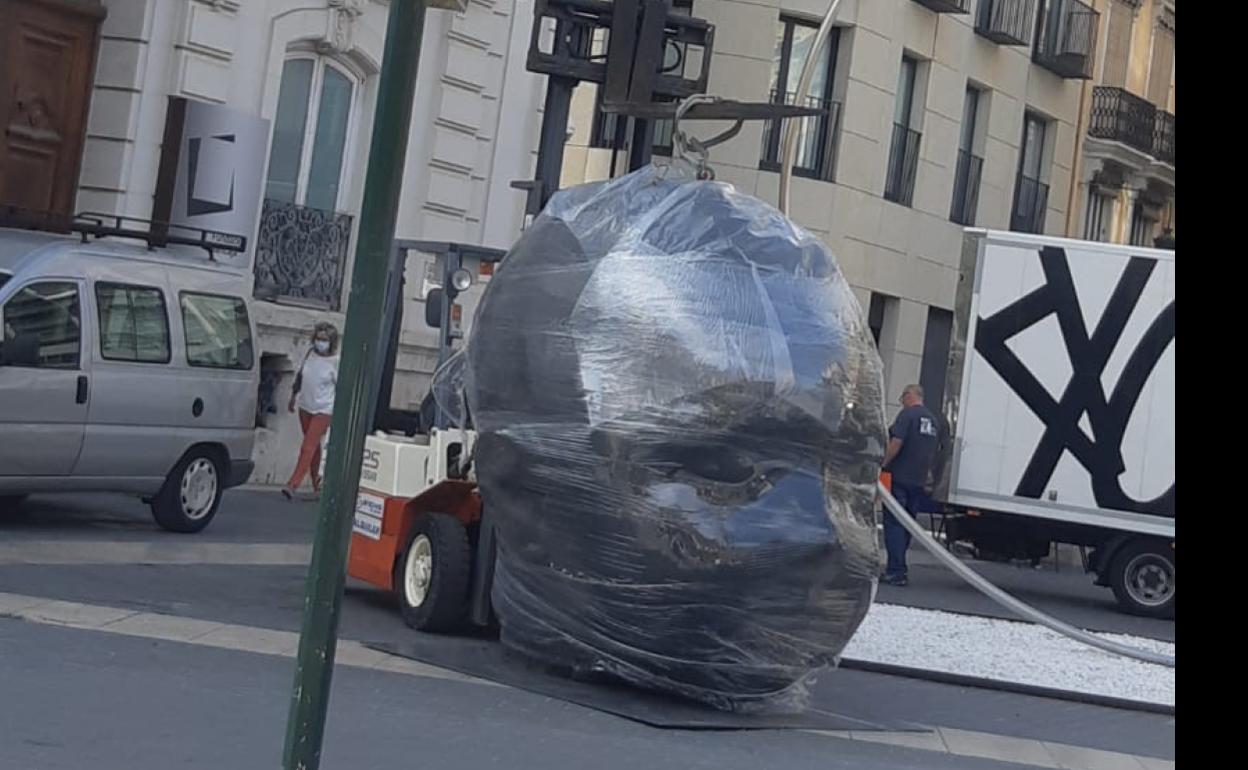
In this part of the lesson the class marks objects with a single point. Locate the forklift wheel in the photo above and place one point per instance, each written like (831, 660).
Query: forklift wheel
(432, 575)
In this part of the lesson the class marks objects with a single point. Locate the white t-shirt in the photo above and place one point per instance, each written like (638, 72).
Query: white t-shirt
(320, 377)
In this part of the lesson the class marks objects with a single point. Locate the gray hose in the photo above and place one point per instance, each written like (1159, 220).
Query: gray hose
(787, 153)
(1009, 602)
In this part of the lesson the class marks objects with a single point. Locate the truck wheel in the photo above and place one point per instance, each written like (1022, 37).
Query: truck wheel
(432, 576)
(1142, 577)
(191, 494)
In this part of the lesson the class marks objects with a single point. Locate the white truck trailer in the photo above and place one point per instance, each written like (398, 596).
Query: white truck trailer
(1060, 400)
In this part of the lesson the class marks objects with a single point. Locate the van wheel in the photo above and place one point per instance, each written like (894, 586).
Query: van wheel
(1142, 577)
(191, 493)
(432, 575)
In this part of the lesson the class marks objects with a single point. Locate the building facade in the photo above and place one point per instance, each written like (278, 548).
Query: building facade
(1126, 167)
(941, 114)
(310, 68)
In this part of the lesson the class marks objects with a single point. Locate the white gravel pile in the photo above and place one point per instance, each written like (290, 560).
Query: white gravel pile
(1009, 651)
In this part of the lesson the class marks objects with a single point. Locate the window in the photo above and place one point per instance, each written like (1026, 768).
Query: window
(133, 323)
(1118, 32)
(43, 326)
(1034, 130)
(602, 133)
(1096, 218)
(875, 315)
(903, 154)
(1031, 194)
(218, 334)
(1143, 225)
(970, 166)
(314, 110)
(815, 154)
(903, 104)
(1161, 64)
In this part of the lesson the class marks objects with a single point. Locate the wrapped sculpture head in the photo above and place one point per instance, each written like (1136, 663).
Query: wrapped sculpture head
(680, 426)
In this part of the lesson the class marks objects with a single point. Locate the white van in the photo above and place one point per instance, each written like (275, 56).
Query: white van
(124, 368)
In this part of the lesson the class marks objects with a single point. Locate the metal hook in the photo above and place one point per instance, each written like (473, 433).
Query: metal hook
(684, 145)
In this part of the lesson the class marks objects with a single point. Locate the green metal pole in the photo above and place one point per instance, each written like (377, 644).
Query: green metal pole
(362, 341)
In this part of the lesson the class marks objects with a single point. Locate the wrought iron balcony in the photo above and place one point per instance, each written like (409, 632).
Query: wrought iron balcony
(301, 255)
(1031, 200)
(903, 165)
(966, 189)
(946, 6)
(1121, 116)
(816, 139)
(1066, 42)
(1007, 22)
(1163, 137)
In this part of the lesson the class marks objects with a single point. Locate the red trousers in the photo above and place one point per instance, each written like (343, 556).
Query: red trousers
(314, 427)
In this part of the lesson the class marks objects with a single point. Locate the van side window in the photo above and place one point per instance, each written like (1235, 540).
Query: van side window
(42, 326)
(133, 323)
(218, 334)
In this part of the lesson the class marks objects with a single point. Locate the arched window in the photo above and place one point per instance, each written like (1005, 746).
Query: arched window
(316, 108)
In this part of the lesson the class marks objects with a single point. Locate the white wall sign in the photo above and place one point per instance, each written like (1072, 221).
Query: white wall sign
(212, 170)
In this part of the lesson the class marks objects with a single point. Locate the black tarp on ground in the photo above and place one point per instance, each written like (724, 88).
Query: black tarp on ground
(489, 660)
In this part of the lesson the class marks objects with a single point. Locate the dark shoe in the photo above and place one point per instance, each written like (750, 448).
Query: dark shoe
(900, 581)
(288, 494)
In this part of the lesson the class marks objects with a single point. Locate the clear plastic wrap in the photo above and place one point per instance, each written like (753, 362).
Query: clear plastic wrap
(680, 427)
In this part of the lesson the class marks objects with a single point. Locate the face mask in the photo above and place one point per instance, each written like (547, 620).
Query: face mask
(322, 346)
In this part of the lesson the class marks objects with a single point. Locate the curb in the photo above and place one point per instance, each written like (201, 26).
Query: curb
(964, 680)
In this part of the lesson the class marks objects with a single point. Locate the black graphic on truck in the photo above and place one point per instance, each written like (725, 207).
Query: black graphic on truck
(1101, 452)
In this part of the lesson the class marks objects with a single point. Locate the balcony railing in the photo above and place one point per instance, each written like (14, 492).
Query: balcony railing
(301, 255)
(966, 189)
(1163, 137)
(816, 139)
(1007, 22)
(1066, 41)
(946, 6)
(903, 165)
(1121, 116)
(1031, 200)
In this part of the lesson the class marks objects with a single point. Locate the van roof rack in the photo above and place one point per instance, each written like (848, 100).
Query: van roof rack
(156, 234)
(91, 224)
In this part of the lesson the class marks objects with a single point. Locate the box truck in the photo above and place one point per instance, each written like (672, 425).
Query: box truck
(1059, 398)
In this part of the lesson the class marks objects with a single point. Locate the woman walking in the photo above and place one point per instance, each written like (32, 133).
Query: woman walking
(313, 394)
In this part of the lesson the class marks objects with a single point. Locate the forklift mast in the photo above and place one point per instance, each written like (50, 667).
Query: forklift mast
(439, 307)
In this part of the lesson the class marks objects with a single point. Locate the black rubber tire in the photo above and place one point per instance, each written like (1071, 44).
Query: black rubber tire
(1127, 558)
(167, 504)
(445, 605)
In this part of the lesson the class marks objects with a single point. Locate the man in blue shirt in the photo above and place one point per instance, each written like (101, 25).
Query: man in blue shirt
(913, 442)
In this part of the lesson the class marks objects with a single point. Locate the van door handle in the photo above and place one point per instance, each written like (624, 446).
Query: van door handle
(81, 396)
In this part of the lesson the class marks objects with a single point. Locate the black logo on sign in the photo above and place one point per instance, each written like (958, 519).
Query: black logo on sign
(1101, 453)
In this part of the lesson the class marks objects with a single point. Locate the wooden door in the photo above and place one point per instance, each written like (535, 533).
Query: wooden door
(47, 64)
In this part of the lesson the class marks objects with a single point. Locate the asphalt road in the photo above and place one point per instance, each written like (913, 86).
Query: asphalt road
(74, 695)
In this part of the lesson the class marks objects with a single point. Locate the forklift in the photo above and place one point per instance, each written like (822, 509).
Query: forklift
(420, 528)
